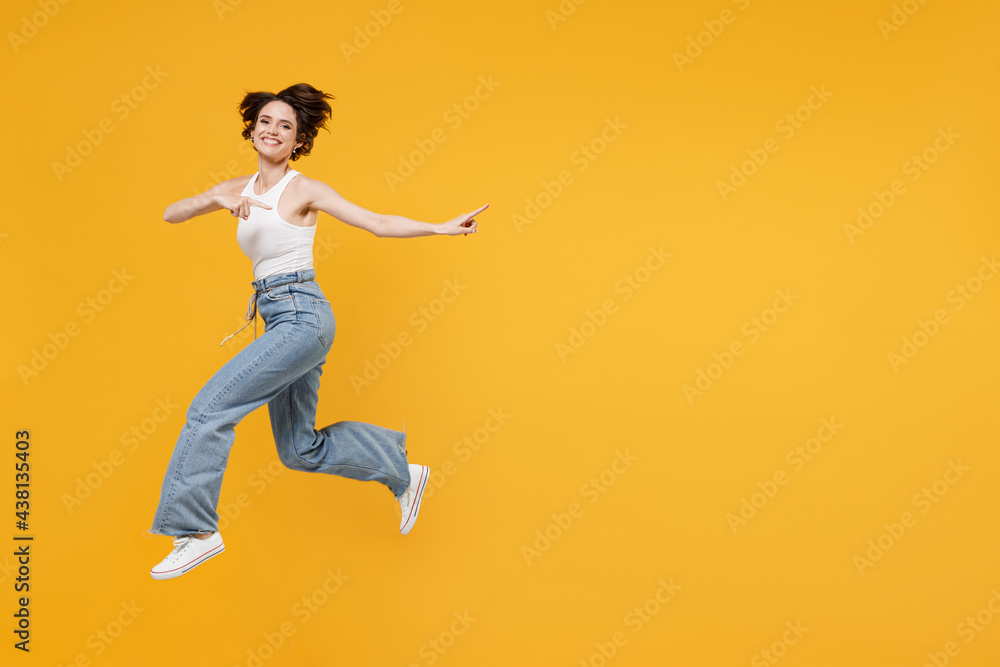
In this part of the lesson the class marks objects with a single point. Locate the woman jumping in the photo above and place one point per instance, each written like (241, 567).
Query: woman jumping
(277, 210)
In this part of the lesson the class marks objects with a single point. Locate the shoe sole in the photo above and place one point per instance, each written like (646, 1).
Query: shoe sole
(421, 485)
(184, 569)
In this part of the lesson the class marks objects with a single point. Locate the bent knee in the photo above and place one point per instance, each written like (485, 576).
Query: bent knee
(291, 460)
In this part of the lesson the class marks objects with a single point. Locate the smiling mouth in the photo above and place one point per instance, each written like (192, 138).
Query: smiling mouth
(269, 142)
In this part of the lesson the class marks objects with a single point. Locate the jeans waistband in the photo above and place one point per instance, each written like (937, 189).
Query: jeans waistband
(267, 283)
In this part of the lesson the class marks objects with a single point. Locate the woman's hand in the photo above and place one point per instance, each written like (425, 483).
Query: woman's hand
(238, 206)
(463, 224)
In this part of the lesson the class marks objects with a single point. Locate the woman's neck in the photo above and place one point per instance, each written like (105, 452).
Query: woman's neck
(271, 173)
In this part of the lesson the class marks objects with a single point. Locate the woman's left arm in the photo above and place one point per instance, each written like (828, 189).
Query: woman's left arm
(322, 197)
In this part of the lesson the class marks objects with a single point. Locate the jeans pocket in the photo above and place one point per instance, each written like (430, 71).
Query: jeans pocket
(325, 320)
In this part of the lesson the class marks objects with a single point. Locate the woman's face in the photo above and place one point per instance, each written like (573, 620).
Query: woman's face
(275, 130)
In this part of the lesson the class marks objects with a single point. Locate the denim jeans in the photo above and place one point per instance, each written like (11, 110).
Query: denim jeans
(281, 368)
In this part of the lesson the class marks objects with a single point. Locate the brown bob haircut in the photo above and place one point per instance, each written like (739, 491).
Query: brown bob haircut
(311, 112)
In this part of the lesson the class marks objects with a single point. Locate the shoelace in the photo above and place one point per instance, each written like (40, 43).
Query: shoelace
(180, 544)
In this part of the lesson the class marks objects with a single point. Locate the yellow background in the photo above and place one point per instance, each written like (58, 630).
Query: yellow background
(664, 518)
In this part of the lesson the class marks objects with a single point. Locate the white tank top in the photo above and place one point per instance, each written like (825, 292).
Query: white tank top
(272, 244)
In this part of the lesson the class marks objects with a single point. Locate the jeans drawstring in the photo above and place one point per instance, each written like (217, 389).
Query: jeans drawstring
(251, 317)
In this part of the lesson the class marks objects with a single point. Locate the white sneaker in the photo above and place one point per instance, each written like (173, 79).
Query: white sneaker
(409, 502)
(189, 552)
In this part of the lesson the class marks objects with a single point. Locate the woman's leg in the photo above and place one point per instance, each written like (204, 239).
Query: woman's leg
(193, 480)
(260, 371)
(351, 449)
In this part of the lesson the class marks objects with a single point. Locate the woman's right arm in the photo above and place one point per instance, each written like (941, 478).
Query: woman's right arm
(186, 209)
(224, 195)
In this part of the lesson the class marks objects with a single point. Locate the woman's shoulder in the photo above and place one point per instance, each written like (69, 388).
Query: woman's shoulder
(304, 184)
(240, 182)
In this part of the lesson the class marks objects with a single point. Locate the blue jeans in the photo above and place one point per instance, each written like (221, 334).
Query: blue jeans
(281, 368)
